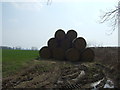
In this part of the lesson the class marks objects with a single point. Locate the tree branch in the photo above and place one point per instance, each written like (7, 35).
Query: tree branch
(114, 16)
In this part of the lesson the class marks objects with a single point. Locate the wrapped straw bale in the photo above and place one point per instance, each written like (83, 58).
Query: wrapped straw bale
(59, 34)
(87, 55)
(58, 53)
(45, 52)
(72, 54)
(79, 43)
(71, 34)
(52, 43)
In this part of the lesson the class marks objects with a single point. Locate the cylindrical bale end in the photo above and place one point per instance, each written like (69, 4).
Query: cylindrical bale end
(79, 43)
(65, 44)
(72, 54)
(52, 43)
(59, 34)
(87, 55)
(58, 53)
(71, 34)
(45, 52)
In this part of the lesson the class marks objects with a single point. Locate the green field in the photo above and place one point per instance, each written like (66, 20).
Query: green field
(15, 60)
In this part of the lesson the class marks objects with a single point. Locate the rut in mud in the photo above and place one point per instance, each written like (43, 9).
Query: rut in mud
(57, 75)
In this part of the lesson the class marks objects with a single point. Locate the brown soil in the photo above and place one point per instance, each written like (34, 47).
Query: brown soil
(36, 76)
(64, 74)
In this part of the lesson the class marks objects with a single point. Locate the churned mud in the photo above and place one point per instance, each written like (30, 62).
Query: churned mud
(56, 74)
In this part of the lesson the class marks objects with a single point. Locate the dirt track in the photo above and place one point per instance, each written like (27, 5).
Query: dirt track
(63, 74)
(56, 75)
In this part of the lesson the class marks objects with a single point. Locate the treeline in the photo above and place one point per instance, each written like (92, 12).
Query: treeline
(18, 48)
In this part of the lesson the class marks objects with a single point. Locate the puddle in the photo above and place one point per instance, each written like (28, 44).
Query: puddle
(108, 84)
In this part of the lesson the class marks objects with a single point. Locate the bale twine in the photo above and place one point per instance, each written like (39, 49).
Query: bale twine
(72, 54)
(87, 55)
(71, 34)
(58, 53)
(59, 34)
(52, 43)
(45, 52)
(65, 44)
(79, 43)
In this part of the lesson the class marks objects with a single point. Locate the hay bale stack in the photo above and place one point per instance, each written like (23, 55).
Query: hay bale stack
(87, 55)
(52, 43)
(59, 34)
(45, 52)
(65, 44)
(72, 54)
(58, 53)
(71, 34)
(79, 43)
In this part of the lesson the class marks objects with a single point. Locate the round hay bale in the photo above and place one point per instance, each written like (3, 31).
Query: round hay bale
(72, 54)
(87, 55)
(79, 43)
(65, 44)
(59, 34)
(58, 53)
(52, 43)
(45, 52)
(71, 34)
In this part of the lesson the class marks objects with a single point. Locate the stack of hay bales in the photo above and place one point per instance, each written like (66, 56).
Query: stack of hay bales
(67, 46)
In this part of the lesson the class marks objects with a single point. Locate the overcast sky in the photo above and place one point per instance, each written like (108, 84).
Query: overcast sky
(28, 24)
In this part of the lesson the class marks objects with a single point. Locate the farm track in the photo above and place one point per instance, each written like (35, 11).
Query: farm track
(32, 77)
(55, 74)
(59, 75)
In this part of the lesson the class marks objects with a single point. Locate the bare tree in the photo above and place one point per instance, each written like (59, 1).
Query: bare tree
(113, 16)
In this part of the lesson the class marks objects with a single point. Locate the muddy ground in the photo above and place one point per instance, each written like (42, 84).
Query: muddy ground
(58, 75)
(64, 74)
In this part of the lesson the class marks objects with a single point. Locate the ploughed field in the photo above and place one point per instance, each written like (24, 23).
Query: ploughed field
(22, 70)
